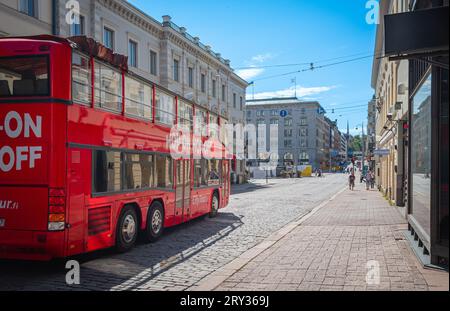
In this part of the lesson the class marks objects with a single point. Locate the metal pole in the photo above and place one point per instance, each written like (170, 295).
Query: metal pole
(363, 145)
(330, 160)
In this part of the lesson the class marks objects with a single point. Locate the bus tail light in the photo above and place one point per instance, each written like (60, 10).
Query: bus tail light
(56, 209)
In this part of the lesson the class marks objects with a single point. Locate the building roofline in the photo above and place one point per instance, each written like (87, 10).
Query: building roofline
(280, 101)
(184, 36)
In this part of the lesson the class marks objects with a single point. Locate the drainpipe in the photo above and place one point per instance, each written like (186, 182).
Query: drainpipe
(54, 17)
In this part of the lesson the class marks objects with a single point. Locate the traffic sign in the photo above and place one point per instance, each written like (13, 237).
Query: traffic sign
(381, 152)
(283, 113)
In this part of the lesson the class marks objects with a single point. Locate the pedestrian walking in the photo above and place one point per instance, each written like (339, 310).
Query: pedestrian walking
(372, 180)
(351, 181)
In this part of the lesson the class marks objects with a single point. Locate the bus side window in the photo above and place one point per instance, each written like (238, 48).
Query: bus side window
(138, 171)
(106, 171)
(108, 87)
(81, 79)
(136, 96)
(164, 171)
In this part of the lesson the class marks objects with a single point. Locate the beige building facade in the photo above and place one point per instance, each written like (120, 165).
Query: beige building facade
(161, 52)
(24, 18)
(390, 83)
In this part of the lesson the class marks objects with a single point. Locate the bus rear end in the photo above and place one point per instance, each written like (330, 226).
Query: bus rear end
(34, 93)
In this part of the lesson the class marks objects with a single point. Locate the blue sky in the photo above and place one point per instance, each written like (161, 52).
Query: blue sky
(255, 33)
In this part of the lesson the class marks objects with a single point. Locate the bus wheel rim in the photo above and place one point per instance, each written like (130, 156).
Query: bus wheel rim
(128, 228)
(215, 204)
(156, 221)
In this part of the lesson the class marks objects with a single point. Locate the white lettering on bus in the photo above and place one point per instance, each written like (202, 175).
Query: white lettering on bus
(34, 155)
(6, 150)
(26, 124)
(36, 127)
(13, 133)
(4, 204)
(22, 154)
(14, 126)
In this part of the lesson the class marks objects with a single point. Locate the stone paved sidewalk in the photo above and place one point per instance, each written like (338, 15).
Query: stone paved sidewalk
(331, 250)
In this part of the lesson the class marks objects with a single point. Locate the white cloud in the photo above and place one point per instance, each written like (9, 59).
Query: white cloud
(302, 92)
(261, 58)
(250, 73)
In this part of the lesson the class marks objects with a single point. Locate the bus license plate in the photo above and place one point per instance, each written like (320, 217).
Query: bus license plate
(2, 222)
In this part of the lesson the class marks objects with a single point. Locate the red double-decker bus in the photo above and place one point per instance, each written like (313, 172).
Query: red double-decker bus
(85, 160)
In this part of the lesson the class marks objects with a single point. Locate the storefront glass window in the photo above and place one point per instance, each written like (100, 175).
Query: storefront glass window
(421, 155)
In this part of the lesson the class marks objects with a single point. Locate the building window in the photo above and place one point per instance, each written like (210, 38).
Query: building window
(260, 113)
(303, 121)
(260, 122)
(176, 70)
(288, 143)
(203, 83)
(78, 29)
(241, 102)
(191, 77)
(303, 157)
(274, 121)
(303, 132)
(234, 100)
(223, 92)
(29, 7)
(132, 51)
(288, 122)
(153, 63)
(108, 38)
(214, 88)
(249, 114)
(288, 133)
(303, 143)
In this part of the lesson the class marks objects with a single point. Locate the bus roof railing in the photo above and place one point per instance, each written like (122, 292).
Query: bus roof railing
(86, 45)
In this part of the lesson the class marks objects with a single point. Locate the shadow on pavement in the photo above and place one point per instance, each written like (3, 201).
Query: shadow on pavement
(105, 269)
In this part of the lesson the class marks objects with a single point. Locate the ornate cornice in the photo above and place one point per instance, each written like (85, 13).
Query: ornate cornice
(133, 16)
(153, 27)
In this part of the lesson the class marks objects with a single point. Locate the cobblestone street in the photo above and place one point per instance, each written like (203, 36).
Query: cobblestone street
(188, 253)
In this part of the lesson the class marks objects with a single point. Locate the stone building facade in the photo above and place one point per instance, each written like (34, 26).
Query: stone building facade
(303, 132)
(390, 83)
(26, 18)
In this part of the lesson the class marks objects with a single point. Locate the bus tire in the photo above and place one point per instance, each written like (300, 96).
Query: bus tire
(127, 229)
(214, 205)
(155, 222)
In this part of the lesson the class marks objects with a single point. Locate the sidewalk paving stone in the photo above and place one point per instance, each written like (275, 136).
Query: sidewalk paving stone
(330, 251)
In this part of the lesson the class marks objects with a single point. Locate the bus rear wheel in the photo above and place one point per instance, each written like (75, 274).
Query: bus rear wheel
(127, 230)
(214, 205)
(155, 222)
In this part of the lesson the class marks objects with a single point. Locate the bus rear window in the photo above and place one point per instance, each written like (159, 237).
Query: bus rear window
(24, 76)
